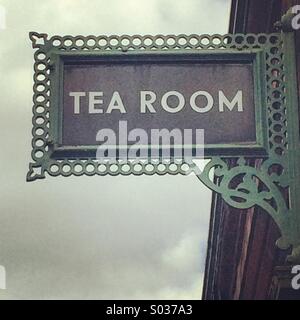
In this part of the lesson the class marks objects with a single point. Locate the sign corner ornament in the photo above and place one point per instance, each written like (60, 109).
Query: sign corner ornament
(259, 169)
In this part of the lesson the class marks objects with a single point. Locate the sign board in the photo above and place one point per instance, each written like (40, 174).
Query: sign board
(217, 95)
(240, 90)
(120, 92)
(218, 98)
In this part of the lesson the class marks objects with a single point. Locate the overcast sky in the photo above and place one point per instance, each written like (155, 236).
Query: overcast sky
(95, 237)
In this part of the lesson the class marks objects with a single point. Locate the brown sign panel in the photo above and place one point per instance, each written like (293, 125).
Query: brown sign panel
(216, 97)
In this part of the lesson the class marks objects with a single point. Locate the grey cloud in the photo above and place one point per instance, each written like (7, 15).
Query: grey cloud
(95, 237)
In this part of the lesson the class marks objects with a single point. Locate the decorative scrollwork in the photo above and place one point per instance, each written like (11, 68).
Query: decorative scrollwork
(243, 186)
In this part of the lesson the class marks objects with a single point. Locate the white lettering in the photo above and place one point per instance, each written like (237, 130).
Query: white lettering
(116, 103)
(147, 103)
(93, 101)
(210, 101)
(164, 101)
(147, 98)
(238, 99)
(77, 96)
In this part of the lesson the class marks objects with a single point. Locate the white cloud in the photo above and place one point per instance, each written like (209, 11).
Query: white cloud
(184, 256)
(100, 237)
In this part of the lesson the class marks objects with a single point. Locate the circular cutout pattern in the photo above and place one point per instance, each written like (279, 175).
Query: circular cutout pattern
(275, 92)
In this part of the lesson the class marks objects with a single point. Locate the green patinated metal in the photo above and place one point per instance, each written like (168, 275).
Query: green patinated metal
(267, 175)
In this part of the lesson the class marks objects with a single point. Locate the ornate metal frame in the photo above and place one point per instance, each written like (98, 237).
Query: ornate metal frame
(269, 182)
